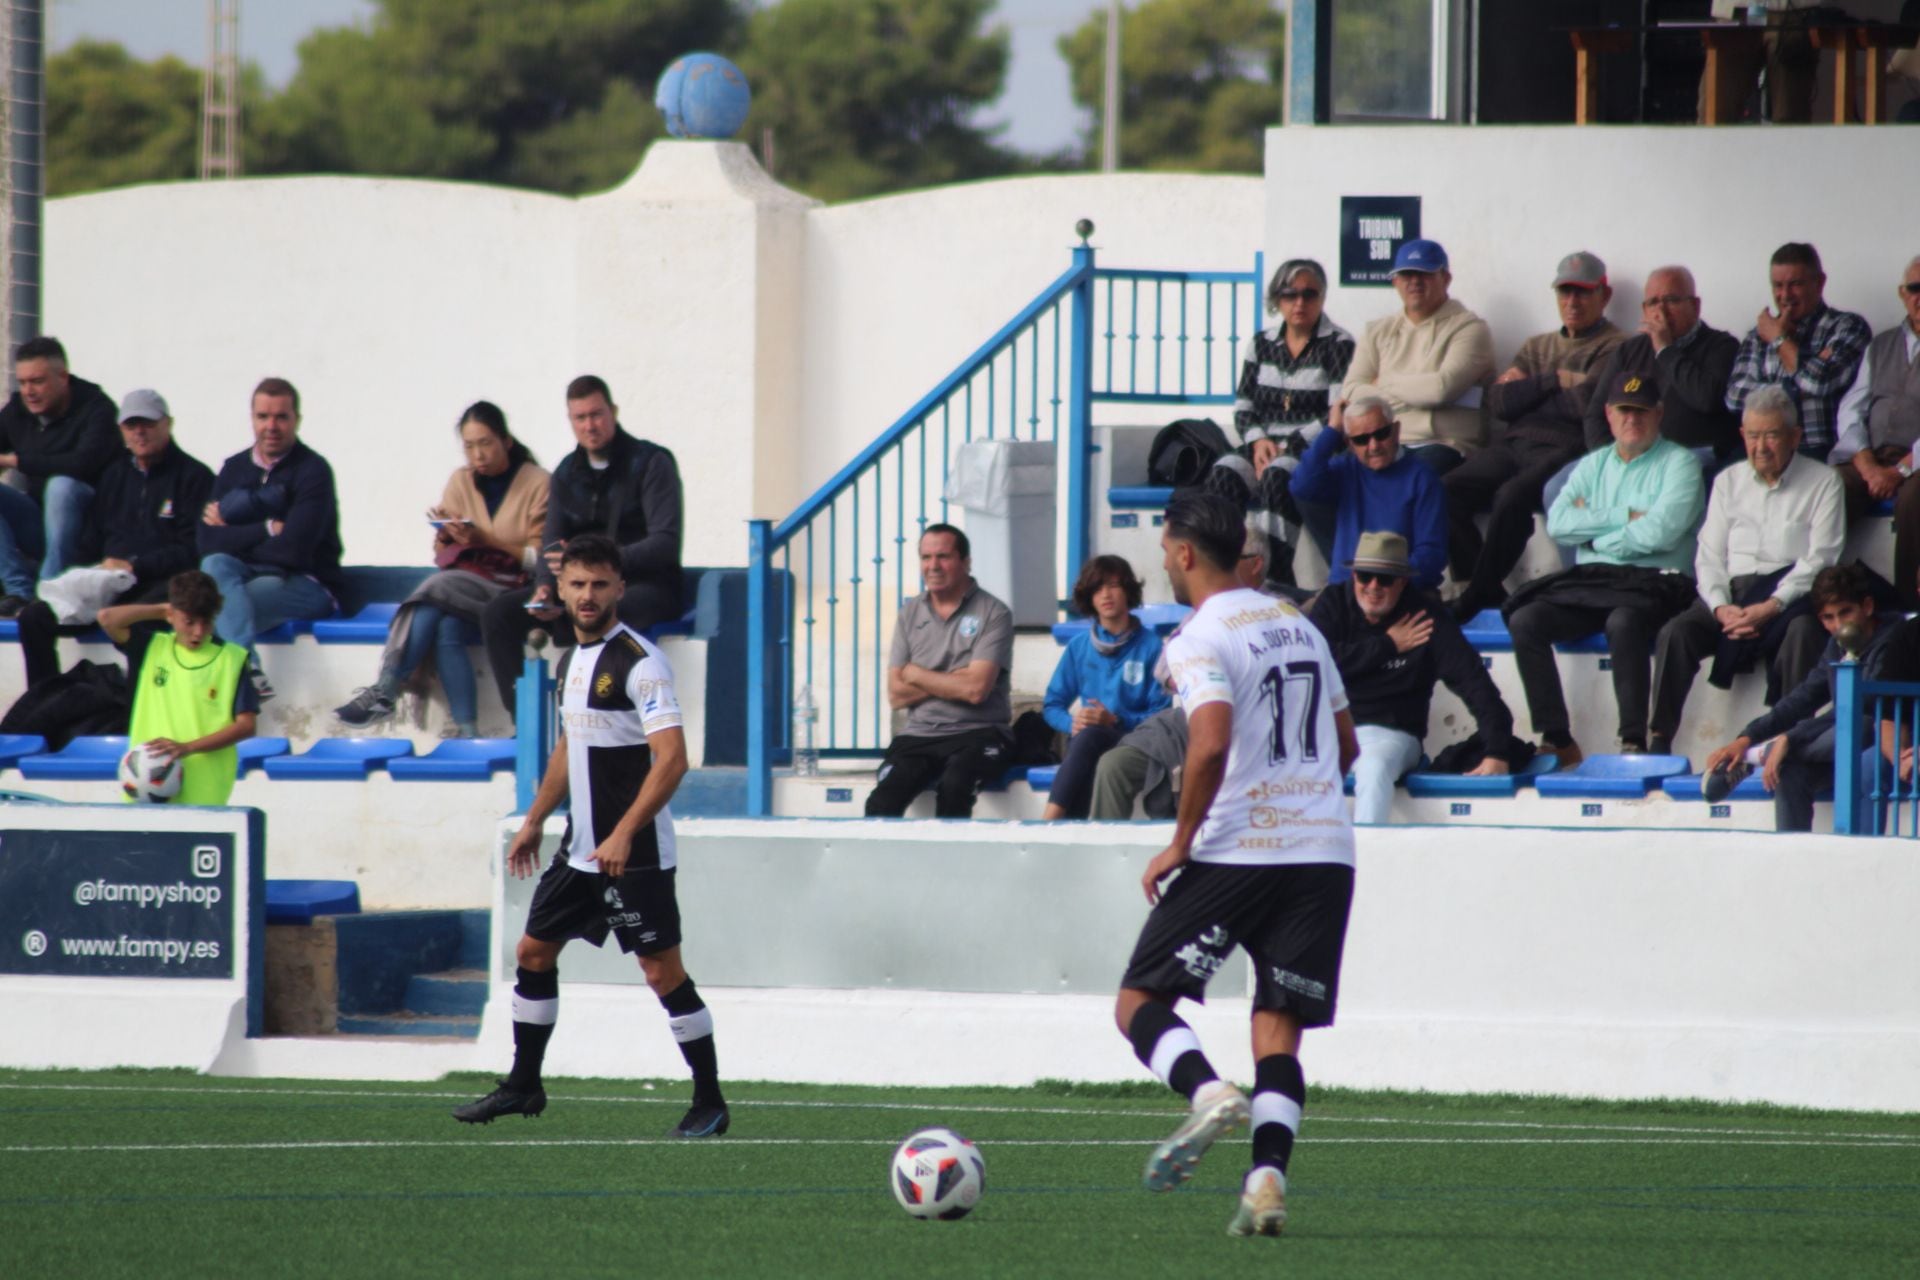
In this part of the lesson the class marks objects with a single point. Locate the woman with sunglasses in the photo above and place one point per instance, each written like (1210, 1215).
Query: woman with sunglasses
(1288, 376)
(1104, 685)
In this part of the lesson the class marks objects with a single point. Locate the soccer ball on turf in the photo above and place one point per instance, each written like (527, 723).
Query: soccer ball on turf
(938, 1174)
(149, 778)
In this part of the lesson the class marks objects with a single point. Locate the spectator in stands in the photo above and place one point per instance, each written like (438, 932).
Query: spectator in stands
(270, 538)
(192, 700)
(1690, 359)
(613, 484)
(1878, 451)
(1107, 670)
(1361, 470)
(1288, 378)
(57, 432)
(487, 531)
(1801, 344)
(1631, 510)
(1771, 526)
(1146, 765)
(951, 669)
(143, 520)
(1392, 648)
(1793, 743)
(1540, 404)
(1431, 361)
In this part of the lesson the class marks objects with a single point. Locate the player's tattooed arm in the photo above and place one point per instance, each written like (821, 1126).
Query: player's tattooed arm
(523, 855)
(1209, 733)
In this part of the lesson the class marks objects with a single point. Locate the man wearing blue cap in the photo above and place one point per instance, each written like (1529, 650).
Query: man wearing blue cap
(1430, 361)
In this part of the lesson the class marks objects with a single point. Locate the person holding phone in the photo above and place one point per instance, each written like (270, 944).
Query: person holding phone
(487, 536)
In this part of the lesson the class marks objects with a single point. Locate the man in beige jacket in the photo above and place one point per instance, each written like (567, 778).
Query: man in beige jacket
(1430, 361)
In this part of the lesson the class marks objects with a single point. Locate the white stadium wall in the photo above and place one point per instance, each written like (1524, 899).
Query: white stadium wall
(1509, 202)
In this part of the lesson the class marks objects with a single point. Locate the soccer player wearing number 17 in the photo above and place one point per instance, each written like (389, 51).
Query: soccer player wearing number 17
(1264, 851)
(621, 754)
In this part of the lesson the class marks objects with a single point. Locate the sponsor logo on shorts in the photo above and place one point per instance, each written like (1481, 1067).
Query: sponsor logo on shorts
(1294, 982)
(1204, 955)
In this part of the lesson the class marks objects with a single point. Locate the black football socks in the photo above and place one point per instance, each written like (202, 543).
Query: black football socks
(536, 1006)
(692, 1025)
(1279, 1091)
(1168, 1047)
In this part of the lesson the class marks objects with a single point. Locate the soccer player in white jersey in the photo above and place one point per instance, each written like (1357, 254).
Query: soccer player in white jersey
(1264, 852)
(621, 754)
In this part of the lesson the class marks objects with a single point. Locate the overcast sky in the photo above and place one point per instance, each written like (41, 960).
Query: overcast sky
(1037, 108)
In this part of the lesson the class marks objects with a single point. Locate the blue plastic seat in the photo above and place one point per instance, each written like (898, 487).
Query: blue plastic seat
(371, 624)
(1487, 632)
(1139, 497)
(255, 752)
(1611, 777)
(680, 626)
(1163, 618)
(1040, 777)
(299, 901)
(285, 633)
(83, 759)
(14, 746)
(335, 758)
(456, 760)
(1687, 787)
(1459, 787)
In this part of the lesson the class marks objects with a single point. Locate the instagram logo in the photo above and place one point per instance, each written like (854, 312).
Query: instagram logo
(206, 862)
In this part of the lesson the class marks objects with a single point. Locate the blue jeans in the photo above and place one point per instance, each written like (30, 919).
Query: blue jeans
(41, 539)
(1386, 756)
(434, 629)
(258, 599)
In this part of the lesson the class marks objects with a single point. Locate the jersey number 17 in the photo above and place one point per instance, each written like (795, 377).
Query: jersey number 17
(1303, 678)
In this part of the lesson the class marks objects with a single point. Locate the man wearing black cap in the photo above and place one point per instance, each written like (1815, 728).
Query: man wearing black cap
(1538, 406)
(143, 520)
(1392, 648)
(1631, 511)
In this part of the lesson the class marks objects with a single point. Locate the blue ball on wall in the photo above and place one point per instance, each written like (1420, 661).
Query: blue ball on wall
(702, 95)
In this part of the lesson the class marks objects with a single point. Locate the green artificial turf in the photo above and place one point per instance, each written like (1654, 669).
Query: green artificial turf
(156, 1174)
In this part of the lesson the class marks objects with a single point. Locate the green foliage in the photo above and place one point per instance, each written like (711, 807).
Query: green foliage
(1383, 58)
(113, 120)
(869, 96)
(553, 95)
(1200, 82)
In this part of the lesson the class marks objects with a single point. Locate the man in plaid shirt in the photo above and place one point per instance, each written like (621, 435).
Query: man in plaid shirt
(1808, 348)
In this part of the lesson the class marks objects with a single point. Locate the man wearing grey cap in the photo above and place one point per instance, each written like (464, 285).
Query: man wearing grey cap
(1538, 408)
(144, 518)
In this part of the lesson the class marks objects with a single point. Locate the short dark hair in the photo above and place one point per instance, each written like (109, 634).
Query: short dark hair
(1795, 254)
(588, 384)
(594, 549)
(40, 348)
(489, 415)
(195, 594)
(278, 387)
(1097, 573)
(1840, 584)
(960, 542)
(1216, 526)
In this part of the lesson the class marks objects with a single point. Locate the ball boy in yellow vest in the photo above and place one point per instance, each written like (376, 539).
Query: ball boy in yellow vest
(192, 701)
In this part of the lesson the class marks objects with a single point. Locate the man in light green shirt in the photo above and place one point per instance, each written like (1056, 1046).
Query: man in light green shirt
(1631, 509)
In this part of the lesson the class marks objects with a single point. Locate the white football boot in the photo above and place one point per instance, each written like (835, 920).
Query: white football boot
(1219, 1110)
(1263, 1204)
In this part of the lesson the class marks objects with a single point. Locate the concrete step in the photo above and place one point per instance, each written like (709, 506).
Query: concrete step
(408, 1024)
(460, 993)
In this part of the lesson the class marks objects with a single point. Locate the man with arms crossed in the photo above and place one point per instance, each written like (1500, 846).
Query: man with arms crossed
(621, 754)
(1264, 849)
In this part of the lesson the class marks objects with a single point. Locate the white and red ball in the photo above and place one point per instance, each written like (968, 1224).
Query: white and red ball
(938, 1174)
(147, 777)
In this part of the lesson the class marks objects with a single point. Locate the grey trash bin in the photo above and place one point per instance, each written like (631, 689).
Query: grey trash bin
(1007, 490)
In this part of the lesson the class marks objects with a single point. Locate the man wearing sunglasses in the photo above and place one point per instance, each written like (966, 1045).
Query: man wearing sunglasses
(1372, 483)
(1631, 510)
(1539, 405)
(1392, 647)
(1878, 451)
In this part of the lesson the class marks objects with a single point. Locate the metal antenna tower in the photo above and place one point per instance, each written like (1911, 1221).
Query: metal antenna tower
(220, 98)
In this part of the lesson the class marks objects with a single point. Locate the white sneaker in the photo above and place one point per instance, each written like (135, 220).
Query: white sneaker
(1219, 1110)
(1263, 1204)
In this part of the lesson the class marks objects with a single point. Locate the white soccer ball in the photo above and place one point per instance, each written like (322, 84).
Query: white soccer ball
(938, 1174)
(147, 777)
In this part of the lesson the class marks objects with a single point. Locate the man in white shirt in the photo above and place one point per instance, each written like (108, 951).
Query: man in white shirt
(1877, 451)
(1264, 851)
(1771, 526)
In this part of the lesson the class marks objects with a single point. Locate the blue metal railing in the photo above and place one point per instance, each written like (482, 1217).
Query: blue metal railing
(536, 715)
(850, 549)
(1875, 721)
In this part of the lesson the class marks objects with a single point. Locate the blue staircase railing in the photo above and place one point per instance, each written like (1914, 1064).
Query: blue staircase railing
(1093, 335)
(1869, 795)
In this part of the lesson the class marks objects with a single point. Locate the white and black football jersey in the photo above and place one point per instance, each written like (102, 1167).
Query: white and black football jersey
(612, 694)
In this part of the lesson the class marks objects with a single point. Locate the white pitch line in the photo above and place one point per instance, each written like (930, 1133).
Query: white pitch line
(681, 1143)
(976, 1109)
